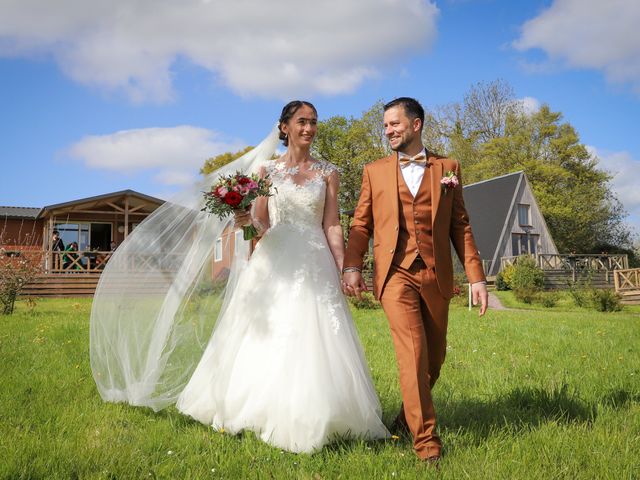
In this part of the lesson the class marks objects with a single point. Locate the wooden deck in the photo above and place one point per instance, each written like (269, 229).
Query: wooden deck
(62, 285)
(627, 285)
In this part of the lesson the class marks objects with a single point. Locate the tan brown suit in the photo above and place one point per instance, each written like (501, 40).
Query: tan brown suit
(413, 275)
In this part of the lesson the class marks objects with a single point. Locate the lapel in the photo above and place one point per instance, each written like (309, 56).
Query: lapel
(435, 170)
(391, 182)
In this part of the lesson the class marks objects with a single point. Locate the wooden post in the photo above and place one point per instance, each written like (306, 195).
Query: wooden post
(50, 246)
(126, 217)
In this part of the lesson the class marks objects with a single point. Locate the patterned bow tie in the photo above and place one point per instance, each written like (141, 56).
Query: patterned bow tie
(419, 159)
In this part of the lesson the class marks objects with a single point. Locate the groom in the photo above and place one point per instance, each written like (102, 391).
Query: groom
(411, 202)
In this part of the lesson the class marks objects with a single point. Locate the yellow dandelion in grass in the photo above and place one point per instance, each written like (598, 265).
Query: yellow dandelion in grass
(221, 430)
(395, 437)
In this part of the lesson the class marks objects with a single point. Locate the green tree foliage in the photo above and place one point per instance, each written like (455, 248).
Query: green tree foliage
(350, 143)
(214, 163)
(492, 134)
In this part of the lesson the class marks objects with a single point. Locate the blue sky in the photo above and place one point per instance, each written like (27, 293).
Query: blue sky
(103, 96)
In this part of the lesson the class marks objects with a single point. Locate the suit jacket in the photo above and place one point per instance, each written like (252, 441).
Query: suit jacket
(377, 214)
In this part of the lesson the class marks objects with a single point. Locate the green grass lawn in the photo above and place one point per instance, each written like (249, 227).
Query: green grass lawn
(564, 303)
(523, 394)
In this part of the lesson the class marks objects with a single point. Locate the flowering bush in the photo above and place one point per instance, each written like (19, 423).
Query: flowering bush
(16, 270)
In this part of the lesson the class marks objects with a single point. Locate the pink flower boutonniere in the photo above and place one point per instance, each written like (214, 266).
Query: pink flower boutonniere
(449, 181)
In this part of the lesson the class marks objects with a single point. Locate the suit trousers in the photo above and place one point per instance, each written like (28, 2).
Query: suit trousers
(418, 316)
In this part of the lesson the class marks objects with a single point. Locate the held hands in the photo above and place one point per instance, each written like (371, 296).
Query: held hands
(480, 294)
(353, 284)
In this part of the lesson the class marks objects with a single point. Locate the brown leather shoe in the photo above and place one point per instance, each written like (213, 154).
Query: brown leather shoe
(399, 426)
(433, 461)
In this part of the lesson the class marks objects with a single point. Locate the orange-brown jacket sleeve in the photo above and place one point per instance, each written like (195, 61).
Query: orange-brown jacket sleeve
(462, 236)
(361, 226)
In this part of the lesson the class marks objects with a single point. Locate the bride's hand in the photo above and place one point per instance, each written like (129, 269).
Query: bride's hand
(353, 284)
(242, 218)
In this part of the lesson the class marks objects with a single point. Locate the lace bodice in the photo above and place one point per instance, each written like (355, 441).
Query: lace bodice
(300, 205)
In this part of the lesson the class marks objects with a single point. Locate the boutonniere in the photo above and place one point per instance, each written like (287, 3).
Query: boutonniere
(449, 181)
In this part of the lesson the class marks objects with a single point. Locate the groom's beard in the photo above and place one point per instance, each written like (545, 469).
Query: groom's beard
(402, 147)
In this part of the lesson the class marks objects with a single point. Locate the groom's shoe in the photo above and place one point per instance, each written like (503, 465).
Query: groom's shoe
(399, 425)
(433, 461)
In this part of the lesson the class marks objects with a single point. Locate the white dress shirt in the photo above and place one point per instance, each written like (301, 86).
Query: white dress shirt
(412, 172)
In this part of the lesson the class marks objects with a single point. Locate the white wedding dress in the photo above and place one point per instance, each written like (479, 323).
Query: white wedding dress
(285, 360)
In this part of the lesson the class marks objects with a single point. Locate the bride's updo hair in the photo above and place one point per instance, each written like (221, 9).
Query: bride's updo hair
(289, 111)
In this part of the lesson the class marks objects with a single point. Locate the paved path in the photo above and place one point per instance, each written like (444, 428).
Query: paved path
(494, 302)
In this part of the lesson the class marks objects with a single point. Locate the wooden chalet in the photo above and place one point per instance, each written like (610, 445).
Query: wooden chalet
(506, 220)
(97, 225)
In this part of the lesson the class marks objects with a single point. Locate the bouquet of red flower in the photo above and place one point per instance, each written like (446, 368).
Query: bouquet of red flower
(235, 193)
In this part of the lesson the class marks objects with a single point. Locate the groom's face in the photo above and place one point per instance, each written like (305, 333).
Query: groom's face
(400, 130)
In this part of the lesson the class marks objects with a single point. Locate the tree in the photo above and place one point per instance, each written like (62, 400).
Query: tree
(214, 163)
(350, 143)
(491, 134)
(574, 195)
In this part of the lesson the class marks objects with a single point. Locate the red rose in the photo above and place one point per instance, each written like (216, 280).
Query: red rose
(244, 180)
(233, 198)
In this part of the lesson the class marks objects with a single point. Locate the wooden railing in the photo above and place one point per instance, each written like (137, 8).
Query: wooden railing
(573, 262)
(594, 262)
(76, 261)
(95, 261)
(627, 280)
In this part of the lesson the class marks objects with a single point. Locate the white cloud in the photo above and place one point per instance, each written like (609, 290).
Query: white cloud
(529, 105)
(595, 34)
(271, 49)
(175, 154)
(626, 171)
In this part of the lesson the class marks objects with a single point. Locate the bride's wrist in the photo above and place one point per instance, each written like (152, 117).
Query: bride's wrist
(259, 226)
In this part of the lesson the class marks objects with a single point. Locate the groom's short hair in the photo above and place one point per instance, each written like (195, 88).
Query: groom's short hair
(411, 106)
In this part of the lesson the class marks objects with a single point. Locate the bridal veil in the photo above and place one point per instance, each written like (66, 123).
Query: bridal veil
(157, 300)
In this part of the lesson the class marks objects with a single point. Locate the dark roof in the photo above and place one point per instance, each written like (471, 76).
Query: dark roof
(488, 204)
(19, 212)
(104, 196)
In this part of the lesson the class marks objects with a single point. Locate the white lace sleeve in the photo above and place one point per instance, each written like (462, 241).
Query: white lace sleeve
(325, 168)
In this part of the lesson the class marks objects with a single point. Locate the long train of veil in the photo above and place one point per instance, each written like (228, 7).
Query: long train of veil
(157, 301)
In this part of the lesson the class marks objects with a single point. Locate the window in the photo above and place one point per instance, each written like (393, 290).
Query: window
(523, 244)
(218, 251)
(88, 236)
(523, 215)
(75, 232)
(238, 244)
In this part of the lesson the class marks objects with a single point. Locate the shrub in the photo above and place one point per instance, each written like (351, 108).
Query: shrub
(501, 283)
(605, 300)
(526, 274)
(548, 299)
(461, 300)
(368, 302)
(527, 295)
(506, 275)
(580, 297)
(16, 271)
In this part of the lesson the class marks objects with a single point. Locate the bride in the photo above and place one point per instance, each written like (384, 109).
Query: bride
(284, 359)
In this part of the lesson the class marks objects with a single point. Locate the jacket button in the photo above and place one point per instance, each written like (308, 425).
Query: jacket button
(391, 251)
